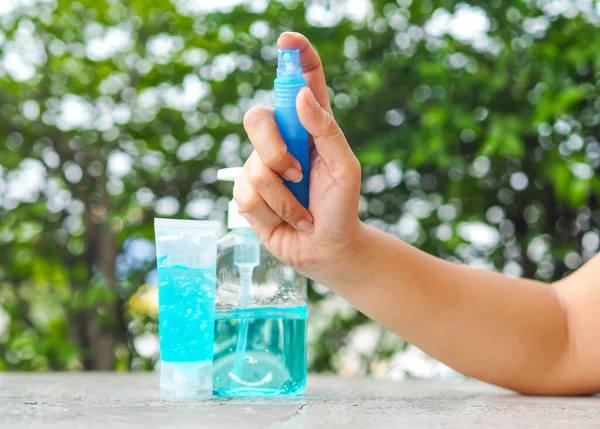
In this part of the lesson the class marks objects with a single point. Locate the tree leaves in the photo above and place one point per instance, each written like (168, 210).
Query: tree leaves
(133, 106)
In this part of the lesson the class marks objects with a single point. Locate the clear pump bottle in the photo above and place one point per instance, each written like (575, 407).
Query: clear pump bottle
(260, 316)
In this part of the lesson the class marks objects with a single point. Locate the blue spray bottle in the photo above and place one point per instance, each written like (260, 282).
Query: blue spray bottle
(288, 84)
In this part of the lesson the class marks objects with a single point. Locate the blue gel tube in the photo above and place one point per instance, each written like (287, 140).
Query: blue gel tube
(288, 83)
(186, 253)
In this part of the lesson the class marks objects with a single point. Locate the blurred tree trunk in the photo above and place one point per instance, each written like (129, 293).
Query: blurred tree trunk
(102, 255)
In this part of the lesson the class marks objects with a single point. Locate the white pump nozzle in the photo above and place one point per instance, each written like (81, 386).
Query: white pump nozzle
(234, 218)
(228, 174)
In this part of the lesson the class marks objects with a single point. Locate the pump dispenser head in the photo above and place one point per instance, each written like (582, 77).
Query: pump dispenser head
(288, 66)
(234, 218)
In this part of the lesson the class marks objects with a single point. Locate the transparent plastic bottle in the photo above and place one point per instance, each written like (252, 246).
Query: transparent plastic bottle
(260, 316)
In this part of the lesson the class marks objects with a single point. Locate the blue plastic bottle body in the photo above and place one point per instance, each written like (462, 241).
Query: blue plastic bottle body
(296, 139)
(288, 84)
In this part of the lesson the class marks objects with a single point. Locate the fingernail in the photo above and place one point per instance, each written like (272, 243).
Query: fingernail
(311, 100)
(293, 175)
(306, 226)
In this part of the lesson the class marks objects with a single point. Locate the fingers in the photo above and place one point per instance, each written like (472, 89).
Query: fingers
(312, 68)
(263, 132)
(261, 195)
(277, 196)
(250, 203)
(260, 192)
(330, 142)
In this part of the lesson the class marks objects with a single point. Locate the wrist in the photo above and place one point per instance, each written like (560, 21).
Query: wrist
(349, 264)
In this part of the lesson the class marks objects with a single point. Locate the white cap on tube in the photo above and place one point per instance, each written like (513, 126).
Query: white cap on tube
(234, 218)
(186, 380)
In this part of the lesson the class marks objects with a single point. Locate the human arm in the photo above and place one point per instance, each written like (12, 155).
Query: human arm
(524, 335)
(521, 334)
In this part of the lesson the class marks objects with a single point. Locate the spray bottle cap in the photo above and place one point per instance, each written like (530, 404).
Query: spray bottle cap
(234, 218)
(288, 66)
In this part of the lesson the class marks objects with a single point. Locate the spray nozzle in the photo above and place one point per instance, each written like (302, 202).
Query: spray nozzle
(228, 174)
(234, 218)
(288, 65)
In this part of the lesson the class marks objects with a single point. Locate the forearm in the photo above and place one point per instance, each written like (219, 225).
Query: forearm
(507, 331)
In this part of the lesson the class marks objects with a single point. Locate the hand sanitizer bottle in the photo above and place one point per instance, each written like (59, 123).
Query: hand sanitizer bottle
(260, 316)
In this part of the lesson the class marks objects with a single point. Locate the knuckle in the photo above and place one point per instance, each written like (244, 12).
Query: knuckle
(331, 128)
(349, 172)
(253, 117)
(259, 178)
(246, 201)
(288, 211)
(276, 157)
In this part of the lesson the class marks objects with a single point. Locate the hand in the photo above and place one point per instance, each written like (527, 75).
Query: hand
(321, 239)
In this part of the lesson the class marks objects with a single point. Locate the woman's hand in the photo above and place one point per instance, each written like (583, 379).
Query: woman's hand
(322, 239)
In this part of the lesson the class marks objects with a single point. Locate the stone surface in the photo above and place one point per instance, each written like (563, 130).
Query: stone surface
(102, 400)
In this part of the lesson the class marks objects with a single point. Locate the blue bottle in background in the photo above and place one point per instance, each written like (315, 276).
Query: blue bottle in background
(260, 316)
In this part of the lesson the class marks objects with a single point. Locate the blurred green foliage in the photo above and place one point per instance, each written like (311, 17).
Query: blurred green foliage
(476, 125)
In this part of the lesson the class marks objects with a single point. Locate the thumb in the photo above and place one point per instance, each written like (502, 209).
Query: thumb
(327, 135)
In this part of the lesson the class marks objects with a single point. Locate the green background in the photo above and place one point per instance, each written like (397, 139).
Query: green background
(476, 126)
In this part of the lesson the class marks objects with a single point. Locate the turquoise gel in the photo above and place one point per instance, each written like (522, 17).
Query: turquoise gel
(186, 264)
(186, 313)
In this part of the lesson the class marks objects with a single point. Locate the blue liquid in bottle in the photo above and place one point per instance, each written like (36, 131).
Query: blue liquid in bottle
(275, 357)
(260, 317)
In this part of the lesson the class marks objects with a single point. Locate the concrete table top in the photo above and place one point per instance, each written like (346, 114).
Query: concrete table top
(108, 400)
